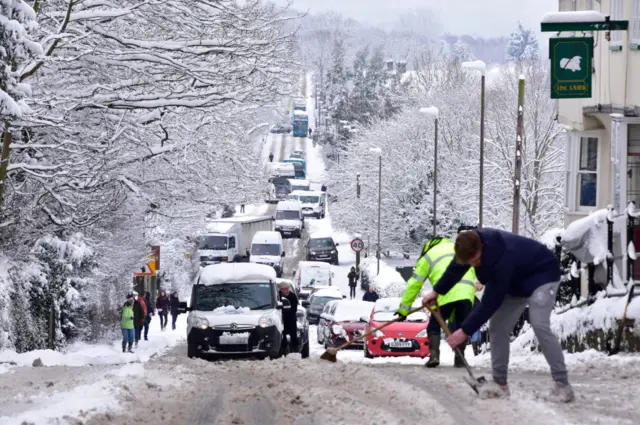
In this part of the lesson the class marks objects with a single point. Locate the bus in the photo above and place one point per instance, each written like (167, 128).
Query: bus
(300, 105)
(300, 124)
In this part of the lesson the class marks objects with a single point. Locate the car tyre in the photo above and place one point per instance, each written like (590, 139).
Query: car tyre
(367, 354)
(305, 350)
(192, 351)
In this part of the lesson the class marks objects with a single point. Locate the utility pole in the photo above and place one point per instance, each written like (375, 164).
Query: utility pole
(358, 185)
(481, 195)
(518, 164)
(435, 176)
(379, 205)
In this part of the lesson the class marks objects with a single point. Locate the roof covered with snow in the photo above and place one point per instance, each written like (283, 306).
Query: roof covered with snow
(218, 274)
(317, 264)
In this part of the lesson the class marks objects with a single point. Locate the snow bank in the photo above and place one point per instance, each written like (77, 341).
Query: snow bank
(577, 323)
(82, 354)
(389, 283)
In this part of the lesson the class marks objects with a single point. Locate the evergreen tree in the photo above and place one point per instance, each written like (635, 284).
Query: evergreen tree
(522, 45)
(377, 78)
(337, 77)
(359, 101)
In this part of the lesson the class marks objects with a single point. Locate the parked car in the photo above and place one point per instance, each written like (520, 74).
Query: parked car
(321, 329)
(322, 248)
(408, 338)
(318, 300)
(342, 323)
(280, 128)
(310, 274)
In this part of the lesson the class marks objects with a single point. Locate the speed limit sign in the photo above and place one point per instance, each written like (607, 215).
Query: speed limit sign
(357, 245)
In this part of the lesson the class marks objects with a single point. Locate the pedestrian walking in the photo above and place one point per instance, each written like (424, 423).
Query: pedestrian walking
(174, 303)
(516, 271)
(162, 304)
(370, 295)
(353, 281)
(150, 313)
(241, 208)
(270, 156)
(139, 315)
(126, 325)
(455, 306)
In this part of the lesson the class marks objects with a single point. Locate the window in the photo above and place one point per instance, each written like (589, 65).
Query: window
(232, 242)
(589, 5)
(587, 172)
(635, 23)
(616, 15)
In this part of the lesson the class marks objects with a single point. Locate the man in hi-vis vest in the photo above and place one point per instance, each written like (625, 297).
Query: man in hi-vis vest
(455, 305)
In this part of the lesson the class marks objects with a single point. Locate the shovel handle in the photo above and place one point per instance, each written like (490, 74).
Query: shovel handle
(447, 332)
(372, 331)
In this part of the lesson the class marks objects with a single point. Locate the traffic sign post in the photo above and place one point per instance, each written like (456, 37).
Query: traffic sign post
(571, 67)
(357, 245)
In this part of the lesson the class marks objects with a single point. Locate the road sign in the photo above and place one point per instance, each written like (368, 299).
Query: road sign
(571, 67)
(357, 245)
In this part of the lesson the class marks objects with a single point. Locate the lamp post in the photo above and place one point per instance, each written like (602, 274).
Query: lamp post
(481, 67)
(432, 111)
(379, 152)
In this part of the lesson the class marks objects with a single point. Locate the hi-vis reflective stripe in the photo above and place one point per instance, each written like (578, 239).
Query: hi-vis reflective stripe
(418, 277)
(432, 263)
(467, 282)
(404, 307)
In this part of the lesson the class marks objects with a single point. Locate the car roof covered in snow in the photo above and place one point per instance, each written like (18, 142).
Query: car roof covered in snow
(313, 264)
(218, 274)
(288, 205)
(267, 236)
(300, 182)
(329, 292)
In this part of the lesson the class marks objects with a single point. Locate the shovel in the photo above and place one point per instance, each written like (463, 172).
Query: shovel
(618, 339)
(471, 380)
(330, 354)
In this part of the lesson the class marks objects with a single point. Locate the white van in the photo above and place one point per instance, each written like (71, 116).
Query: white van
(267, 248)
(298, 184)
(313, 203)
(289, 219)
(311, 274)
(235, 311)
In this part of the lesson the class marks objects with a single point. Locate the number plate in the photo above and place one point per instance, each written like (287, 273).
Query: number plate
(400, 344)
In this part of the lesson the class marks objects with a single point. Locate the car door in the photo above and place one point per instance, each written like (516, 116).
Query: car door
(321, 322)
(329, 319)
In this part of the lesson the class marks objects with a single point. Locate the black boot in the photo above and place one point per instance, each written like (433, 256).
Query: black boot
(124, 347)
(434, 349)
(130, 348)
(458, 362)
(476, 348)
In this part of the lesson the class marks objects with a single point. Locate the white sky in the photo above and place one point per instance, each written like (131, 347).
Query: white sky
(474, 17)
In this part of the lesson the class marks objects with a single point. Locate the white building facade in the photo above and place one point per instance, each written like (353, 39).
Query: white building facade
(602, 161)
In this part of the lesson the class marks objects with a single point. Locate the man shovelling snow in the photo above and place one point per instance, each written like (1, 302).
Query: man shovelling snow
(516, 272)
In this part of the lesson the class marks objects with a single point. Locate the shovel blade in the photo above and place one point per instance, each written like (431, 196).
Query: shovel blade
(475, 384)
(329, 355)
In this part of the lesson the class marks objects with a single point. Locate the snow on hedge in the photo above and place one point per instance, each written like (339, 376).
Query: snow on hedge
(389, 283)
(578, 322)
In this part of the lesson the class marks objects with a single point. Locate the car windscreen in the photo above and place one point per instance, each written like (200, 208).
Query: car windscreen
(352, 312)
(294, 187)
(287, 215)
(281, 182)
(265, 249)
(255, 296)
(320, 301)
(305, 199)
(321, 243)
(312, 275)
(212, 242)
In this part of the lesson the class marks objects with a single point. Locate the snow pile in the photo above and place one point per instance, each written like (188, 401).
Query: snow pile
(550, 237)
(587, 238)
(578, 322)
(229, 309)
(82, 354)
(389, 283)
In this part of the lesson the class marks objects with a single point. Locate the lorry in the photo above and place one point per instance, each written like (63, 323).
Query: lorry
(229, 239)
(300, 105)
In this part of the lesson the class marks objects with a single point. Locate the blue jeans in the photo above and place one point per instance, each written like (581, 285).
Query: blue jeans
(128, 336)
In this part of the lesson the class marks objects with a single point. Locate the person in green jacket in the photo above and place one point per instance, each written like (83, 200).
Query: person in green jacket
(126, 325)
(455, 304)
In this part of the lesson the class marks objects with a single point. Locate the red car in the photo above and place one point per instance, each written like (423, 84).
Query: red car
(408, 338)
(342, 322)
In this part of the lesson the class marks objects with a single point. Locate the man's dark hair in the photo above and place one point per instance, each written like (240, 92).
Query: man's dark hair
(464, 227)
(467, 246)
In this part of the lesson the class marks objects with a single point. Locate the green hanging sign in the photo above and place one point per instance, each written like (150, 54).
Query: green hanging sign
(571, 67)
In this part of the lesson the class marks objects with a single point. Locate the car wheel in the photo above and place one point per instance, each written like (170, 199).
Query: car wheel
(192, 351)
(305, 350)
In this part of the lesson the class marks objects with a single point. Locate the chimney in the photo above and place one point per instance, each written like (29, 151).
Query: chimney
(402, 67)
(390, 65)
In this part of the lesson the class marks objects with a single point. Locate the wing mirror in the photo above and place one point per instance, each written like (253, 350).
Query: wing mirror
(337, 244)
(282, 255)
(344, 296)
(182, 307)
(305, 303)
(364, 319)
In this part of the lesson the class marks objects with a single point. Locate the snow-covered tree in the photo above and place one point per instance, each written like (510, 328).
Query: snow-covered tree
(522, 45)
(460, 52)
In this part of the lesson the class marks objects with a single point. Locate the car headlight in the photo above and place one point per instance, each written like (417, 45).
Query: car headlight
(333, 251)
(379, 334)
(337, 329)
(422, 334)
(278, 227)
(266, 321)
(200, 322)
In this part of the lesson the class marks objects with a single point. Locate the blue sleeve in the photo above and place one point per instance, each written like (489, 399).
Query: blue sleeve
(451, 276)
(495, 291)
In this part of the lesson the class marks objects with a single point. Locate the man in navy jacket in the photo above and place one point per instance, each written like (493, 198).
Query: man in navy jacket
(516, 271)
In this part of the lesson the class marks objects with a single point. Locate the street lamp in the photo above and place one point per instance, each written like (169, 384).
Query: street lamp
(482, 68)
(379, 152)
(432, 111)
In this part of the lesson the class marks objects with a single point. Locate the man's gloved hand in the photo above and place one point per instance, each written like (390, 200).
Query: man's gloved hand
(401, 316)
